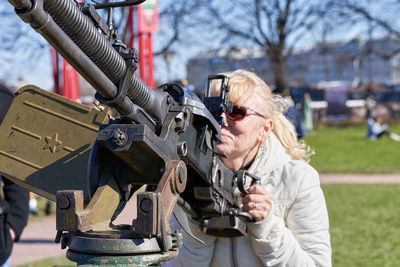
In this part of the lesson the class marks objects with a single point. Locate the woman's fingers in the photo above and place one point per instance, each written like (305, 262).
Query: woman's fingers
(258, 202)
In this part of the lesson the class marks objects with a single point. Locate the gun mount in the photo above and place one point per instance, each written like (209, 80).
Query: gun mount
(91, 165)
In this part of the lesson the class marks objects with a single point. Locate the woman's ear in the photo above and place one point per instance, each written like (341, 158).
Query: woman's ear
(266, 129)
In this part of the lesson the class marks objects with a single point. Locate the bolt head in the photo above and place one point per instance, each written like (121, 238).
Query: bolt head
(63, 202)
(146, 205)
(119, 138)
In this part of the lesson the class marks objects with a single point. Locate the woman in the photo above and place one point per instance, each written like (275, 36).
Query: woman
(291, 225)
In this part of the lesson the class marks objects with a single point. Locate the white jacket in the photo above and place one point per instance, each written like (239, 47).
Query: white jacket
(296, 232)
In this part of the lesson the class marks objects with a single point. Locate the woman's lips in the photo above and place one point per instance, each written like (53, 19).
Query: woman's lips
(225, 136)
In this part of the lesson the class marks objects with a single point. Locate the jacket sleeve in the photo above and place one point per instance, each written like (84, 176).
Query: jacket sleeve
(197, 249)
(18, 201)
(300, 239)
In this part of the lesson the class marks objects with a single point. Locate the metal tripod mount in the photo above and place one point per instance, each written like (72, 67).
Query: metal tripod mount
(93, 241)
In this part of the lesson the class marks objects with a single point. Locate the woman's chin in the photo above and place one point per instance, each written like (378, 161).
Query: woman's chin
(223, 148)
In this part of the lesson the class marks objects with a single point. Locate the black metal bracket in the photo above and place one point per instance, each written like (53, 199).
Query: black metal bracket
(119, 4)
(241, 180)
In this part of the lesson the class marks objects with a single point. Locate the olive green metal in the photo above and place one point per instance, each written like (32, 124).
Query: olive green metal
(95, 216)
(45, 141)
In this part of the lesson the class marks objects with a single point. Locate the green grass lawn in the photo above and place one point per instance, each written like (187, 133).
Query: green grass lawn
(365, 224)
(346, 150)
(57, 261)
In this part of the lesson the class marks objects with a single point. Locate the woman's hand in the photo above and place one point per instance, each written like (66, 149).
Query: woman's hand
(258, 202)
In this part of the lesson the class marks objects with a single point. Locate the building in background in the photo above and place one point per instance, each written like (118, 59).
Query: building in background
(351, 62)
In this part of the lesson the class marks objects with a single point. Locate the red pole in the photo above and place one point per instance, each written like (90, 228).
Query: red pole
(71, 83)
(142, 57)
(147, 24)
(56, 75)
(130, 26)
(150, 56)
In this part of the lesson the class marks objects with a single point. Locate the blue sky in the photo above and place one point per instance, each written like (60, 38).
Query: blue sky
(39, 70)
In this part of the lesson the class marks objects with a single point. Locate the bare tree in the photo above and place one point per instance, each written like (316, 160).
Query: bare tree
(180, 19)
(186, 31)
(377, 19)
(19, 44)
(275, 26)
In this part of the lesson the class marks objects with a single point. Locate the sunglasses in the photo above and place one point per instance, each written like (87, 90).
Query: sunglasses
(239, 113)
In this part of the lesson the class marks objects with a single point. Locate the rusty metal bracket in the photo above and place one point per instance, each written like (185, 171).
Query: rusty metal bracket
(154, 209)
(73, 215)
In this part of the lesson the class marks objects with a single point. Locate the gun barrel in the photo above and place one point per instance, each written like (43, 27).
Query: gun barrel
(76, 38)
(21, 4)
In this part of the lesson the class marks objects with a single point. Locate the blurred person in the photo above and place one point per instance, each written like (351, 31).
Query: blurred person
(376, 129)
(291, 226)
(307, 122)
(370, 104)
(48, 210)
(293, 115)
(33, 203)
(13, 200)
(187, 86)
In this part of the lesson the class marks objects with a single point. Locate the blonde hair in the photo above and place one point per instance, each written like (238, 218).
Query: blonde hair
(244, 84)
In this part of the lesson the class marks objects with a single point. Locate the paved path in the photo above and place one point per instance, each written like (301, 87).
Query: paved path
(37, 241)
(360, 179)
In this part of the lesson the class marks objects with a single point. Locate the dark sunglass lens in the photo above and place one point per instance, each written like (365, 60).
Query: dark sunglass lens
(238, 113)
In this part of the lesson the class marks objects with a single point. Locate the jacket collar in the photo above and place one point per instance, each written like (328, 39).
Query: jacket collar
(270, 157)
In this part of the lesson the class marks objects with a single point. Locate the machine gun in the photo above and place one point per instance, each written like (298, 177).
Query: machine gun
(91, 164)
